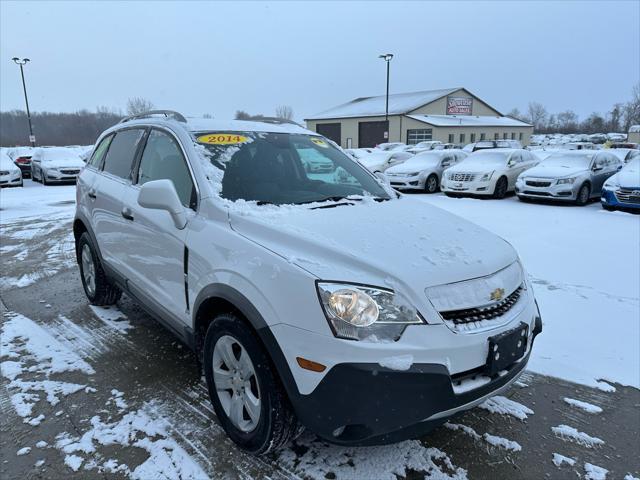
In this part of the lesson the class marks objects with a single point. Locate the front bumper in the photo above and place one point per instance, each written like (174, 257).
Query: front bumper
(474, 187)
(11, 180)
(566, 192)
(59, 176)
(366, 404)
(406, 182)
(613, 199)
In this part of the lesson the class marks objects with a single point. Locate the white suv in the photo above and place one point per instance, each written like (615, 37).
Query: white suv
(310, 299)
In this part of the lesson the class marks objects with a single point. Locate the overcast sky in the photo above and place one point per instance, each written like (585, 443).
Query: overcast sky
(216, 58)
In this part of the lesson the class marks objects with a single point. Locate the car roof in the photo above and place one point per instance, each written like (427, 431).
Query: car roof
(193, 125)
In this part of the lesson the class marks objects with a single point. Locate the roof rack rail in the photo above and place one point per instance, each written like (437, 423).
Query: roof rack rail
(167, 113)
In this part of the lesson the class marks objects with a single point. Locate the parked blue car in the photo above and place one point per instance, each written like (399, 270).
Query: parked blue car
(622, 190)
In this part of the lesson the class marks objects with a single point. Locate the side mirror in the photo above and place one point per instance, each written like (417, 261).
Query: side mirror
(162, 195)
(446, 163)
(510, 163)
(597, 168)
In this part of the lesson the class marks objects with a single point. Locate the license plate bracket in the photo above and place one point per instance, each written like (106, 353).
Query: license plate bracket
(506, 348)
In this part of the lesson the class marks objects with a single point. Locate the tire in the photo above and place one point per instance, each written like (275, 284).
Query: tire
(584, 194)
(500, 191)
(276, 424)
(431, 184)
(43, 177)
(100, 291)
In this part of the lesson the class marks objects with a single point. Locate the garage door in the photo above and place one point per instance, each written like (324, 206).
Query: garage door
(371, 134)
(330, 130)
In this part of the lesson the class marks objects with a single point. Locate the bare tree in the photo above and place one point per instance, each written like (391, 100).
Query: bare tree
(136, 105)
(242, 115)
(568, 121)
(631, 114)
(515, 113)
(537, 115)
(285, 112)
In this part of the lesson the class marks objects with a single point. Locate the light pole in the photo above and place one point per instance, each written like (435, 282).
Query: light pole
(22, 62)
(387, 58)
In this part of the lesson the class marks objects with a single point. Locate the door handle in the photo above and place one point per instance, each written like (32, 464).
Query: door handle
(126, 213)
(92, 193)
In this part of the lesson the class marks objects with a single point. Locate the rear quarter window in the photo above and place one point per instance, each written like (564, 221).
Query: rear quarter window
(122, 151)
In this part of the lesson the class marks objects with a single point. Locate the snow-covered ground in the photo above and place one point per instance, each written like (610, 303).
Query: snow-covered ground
(584, 263)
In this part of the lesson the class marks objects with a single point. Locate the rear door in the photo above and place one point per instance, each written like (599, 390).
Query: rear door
(155, 253)
(106, 214)
(90, 174)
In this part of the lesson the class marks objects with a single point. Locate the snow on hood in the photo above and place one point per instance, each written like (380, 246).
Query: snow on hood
(629, 176)
(555, 170)
(403, 244)
(374, 158)
(416, 164)
(70, 162)
(6, 163)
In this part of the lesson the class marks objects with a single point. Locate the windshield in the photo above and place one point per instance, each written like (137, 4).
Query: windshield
(283, 168)
(563, 160)
(489, 158)
(633, 165)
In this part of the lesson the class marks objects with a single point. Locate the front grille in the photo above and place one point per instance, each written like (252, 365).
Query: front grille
(462, 177)
(625, 195)
(469, 315)
(70, 172)
(536, 183)
(541, 194)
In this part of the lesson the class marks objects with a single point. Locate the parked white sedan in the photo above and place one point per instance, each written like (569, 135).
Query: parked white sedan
(491, 172)
(424, 171)
(378, 162)
(55, 164)
(10, 174)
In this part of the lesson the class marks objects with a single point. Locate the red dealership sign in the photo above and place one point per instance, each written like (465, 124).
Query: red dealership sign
(459, 105)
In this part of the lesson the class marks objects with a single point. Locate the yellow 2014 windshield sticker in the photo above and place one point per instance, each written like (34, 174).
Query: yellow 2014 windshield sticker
(320, 142)
(222, 139)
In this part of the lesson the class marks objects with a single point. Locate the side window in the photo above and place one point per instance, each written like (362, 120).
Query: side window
(447, 160)
(515, 159)
(98, 153)
(162, 159)
(122, 151)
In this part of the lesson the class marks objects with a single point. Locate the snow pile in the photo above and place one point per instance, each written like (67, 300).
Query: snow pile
(399, 362)
(569, 433)
(587, 407)
(321, 460)
(144, 428)
(559, 460)
(490, 439)
(32, 350)
(594, 472)
(505, 406)
(23, 451)
(113, 317)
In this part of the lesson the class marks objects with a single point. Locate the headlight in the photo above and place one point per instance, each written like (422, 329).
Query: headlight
(415, 174)
(365, 313)
(486, 176)
(565, 181)
(611, 185)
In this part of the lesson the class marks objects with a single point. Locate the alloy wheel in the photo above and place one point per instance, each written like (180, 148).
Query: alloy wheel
(236, 383)
(88, 270)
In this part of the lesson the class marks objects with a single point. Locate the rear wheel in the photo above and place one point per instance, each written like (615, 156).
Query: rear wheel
(246, 393)
(500, 190)
(431, 184)
(583, 195)
(97, 287)
(43, 177)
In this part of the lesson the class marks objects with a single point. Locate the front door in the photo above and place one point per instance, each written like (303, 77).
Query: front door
(155, 248)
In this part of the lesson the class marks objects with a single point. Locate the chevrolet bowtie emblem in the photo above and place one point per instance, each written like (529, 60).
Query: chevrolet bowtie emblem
(497, 294)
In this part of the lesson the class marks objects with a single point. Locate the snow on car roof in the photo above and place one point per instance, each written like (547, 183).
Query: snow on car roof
(60, 153)
(634, 129)
(214, 125)
(468, 121)
(399, 103)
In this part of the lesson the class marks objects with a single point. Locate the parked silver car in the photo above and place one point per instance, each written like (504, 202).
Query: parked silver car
(573, 176)
(424, 171)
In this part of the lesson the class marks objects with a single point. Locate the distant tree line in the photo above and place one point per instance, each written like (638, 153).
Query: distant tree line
(618, 119)
(284, 112)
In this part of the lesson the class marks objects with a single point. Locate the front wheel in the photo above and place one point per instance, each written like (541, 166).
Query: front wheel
(500, 190)
(97, 287)
(245, 391)
(431, 184)
(583, 195)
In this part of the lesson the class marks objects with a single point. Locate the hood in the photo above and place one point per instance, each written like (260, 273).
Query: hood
(7, 165)
(554, 171)
(477, 166)
(628, 177)
(72, 162)
(414, 165)
(404, 244)
(375, 159)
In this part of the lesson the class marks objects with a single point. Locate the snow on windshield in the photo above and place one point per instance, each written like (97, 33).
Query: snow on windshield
(564, 160)
(484, 158)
